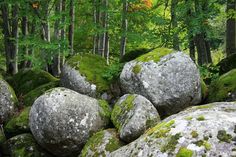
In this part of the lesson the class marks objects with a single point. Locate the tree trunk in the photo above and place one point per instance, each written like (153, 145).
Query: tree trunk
(63, 36)
(124, 28)
(106, 22)
(71, 27)
(56, 69)
(201, 49)
(10, 31)
(174, 24)
(95, 24)
(31, 49)
(192, 48)
(24, 28)
(231, 29)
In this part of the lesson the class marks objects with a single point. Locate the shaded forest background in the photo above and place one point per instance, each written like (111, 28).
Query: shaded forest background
(41, 34)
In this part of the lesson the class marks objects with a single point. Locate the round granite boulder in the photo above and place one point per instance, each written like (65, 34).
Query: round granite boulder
(208, 130)
(132, 115)
(62, 120)
(171, 81)
(8, 101)
(102, 144)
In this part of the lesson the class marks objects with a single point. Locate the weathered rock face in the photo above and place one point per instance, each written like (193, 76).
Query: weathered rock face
(171, 82)
(8, 101)
(62, 120)
(102, 144)
(208, 130)
(132, 115)
(79, 75)
(23, 145)
(223, 89)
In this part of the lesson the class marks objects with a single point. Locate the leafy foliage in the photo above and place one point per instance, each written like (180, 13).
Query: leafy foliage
(209, 73)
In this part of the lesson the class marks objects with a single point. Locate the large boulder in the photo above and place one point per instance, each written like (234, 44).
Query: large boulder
(83, 73)
(23, 145)
(224, 88)
(62, 120)
(132, 115)
(29, 79)
(171, 81)
(8, 101)
(208, 130)
(102, 144)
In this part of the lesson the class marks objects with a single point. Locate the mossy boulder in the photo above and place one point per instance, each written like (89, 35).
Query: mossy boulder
(29, 98)
(208, 130)
(27, 80)
(227, 64)
(18, 124)
(132, 115)
(62, 120)
(84, 74)
(8, 101)
(169, 79)
(23, 145)
(224, 88)
(102, 144)
(134, 54)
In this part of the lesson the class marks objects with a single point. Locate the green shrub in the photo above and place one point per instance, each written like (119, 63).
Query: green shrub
(113, 72)
(209, 73)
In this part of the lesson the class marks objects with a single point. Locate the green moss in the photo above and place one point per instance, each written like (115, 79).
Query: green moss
(204, 143)
(220, 89)
(204, 90)
(120, 110)
(171, 144)
(194, 134)
(204, 106)
(134, 54)
(18, 124)
(106, 110)
(92, 67)
(24, 145)
(161, 129)
(184, 152)
(30, 97)
(188, 118)
(154, 55)
(201, 118)
(27, 80)
(95, 142)
(223, 136)
(137, 69)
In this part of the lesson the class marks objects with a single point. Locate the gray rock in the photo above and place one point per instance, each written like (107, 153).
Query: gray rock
(172, 83)
(72, 79)
(8, 101)
(23, 145)
(102, 144)
(132, 115)
(62, 120)
(208, 130)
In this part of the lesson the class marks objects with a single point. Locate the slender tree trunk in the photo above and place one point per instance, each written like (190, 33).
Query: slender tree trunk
(201, 49)
(10, 30)
(63, 36)
(71, 27)
(124, 28)
(107, 47)
(31, 49)
(24, 29)
(231, 29)
(95, 24)
(56, 69)
(174, 23)
(192, 48)
(98, 17)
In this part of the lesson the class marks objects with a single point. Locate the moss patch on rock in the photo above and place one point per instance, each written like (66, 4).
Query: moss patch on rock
(184, 152)
(105, 110)
(27, 80)
(102, 143)
(18, 124)
(30, 97)
(120, 109)
(24, 145)
(137, 69)
(223, 136)
(221, 89)
(92, 67)
(155, 55)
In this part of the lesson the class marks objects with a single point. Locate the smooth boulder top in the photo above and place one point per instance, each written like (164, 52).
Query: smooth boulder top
(208, 130)
(170, 81)
(62, 120)
(8, 101)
